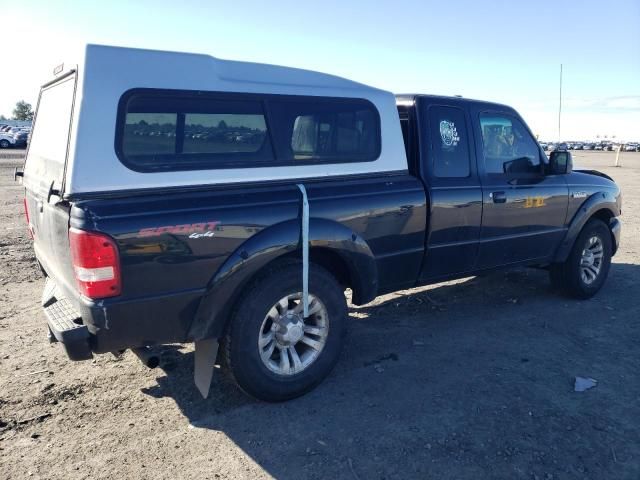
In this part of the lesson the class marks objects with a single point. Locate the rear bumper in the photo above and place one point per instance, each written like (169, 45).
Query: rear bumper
(117, 324)
(85, 327)
(615, 225)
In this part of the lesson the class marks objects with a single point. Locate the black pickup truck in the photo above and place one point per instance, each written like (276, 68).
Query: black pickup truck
(191, 199)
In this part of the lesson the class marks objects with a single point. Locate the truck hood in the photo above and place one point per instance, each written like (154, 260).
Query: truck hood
(596, 173)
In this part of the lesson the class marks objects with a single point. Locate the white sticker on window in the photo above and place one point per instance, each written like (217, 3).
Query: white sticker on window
(449, 133)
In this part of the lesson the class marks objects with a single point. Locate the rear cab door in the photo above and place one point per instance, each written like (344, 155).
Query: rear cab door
(448, 168)
(44, 174)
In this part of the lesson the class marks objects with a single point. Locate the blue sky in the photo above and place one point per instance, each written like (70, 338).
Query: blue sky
(506, 51)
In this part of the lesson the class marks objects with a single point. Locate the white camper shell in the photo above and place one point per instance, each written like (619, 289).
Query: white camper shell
(75, 149)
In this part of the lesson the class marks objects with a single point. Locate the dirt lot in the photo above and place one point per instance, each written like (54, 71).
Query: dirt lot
(462, 380)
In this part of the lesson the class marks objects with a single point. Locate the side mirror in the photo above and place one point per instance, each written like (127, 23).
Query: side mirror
(560, 162)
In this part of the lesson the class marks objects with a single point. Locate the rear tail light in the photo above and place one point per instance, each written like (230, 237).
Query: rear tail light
(96, 264)
(26, 214)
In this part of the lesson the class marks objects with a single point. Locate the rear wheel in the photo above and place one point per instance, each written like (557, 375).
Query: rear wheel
(4, 144)
(272, 351)
(586, 269)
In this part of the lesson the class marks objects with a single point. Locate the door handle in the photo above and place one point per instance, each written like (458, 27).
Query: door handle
(498, 197)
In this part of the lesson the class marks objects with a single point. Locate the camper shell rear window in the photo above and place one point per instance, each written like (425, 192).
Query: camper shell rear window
(171, 130)
(47, 153)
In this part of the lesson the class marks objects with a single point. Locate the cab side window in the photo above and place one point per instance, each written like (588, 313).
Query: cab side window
(449, 142)
(507, 146)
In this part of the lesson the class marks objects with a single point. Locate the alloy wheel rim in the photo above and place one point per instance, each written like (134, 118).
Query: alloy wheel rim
(288, 343)
(591, 260)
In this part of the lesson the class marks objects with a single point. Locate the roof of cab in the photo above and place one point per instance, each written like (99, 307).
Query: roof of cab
(106, 73)
(409, 98)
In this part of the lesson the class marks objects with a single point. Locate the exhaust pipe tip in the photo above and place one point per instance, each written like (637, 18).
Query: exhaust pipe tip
(148, 357)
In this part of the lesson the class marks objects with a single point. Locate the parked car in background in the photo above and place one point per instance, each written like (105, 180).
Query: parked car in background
(6, 140)
(5, 127)
(21, 138)
(630, 147)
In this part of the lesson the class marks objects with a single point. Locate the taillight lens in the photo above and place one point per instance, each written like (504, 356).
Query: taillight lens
(96, 264)
(26, 214)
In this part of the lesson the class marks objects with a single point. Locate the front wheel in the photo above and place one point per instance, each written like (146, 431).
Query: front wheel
(4, 144)
(273, 352)
(586, 269)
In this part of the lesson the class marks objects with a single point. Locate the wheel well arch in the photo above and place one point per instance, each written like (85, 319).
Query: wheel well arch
(346, 256)
(605, 215)
(599, 211)
(324, 257)
(331, 262)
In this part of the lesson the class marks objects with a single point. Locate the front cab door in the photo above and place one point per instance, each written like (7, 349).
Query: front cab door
(524, 209)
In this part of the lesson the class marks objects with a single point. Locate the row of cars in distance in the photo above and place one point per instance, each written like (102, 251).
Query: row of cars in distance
(602, 146)
(631, 147)
(11, 136)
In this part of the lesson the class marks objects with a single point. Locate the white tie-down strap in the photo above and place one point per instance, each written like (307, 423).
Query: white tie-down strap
(305, 250)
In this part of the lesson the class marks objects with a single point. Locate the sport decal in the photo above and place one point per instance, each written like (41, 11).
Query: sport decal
(193, 230)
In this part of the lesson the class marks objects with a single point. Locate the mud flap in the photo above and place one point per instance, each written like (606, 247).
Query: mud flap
(205, 358)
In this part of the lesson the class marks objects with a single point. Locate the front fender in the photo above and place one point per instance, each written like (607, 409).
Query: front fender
(602, 200)
(268, 245)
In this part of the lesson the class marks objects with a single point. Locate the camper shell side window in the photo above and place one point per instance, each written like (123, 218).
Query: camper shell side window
(168, 130)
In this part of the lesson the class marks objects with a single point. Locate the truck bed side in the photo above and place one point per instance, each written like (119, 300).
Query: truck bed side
(172, 244)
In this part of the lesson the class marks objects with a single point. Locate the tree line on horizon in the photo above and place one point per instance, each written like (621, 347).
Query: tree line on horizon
(22, 111)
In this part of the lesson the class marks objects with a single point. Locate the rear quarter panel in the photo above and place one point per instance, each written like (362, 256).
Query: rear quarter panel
(172, 244)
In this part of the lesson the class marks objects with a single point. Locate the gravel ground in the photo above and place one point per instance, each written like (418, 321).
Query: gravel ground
(461, 380)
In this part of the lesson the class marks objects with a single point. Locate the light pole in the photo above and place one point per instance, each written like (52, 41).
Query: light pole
(560, 108)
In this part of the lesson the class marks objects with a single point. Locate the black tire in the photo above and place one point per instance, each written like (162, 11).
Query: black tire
(567, 277)
(241, 357)
(4, 144)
